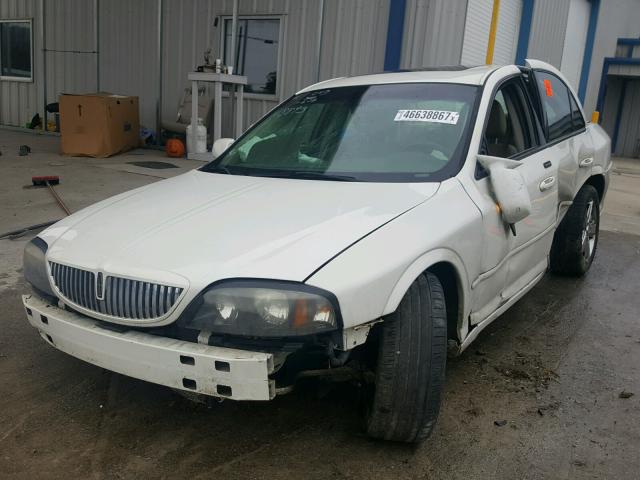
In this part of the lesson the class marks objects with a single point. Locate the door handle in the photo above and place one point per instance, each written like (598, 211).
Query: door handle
(586, 162)
(547, 183)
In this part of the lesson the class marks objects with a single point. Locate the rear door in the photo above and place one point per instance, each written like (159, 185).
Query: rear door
(565, 134)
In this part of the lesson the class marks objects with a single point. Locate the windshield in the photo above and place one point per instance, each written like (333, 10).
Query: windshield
(407, 132)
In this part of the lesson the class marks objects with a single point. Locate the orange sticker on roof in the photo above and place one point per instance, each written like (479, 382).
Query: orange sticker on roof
(547, 87)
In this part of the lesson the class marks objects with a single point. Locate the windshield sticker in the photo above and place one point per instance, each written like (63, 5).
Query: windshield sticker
(290, 110)
(434, 116)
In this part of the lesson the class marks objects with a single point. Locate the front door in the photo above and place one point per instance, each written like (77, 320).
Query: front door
(514, 132)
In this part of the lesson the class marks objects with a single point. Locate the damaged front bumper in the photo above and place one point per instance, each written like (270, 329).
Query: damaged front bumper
(204, 369)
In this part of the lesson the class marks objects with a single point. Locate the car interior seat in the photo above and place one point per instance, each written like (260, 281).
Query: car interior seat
(497, 129)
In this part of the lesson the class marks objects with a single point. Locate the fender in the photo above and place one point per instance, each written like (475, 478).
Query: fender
(422, 264)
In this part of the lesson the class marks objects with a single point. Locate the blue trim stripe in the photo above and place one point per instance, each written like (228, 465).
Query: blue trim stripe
(395, 31)
(588, 50)
(526, 18)
(605, 71)
(629, 41)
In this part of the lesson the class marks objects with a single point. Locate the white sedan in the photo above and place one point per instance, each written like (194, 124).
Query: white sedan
(368, 223)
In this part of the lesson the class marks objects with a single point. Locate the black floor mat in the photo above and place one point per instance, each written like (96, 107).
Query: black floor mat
(154, 165)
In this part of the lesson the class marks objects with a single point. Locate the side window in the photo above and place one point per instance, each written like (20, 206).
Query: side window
(257, 48)
(556, 102)
(578, 119)
(510, 128)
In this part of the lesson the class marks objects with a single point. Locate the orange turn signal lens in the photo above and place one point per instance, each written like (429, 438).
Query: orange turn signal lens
(300, 313)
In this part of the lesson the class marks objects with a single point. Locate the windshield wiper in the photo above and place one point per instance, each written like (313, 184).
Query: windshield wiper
(322, 176)
(219, 169)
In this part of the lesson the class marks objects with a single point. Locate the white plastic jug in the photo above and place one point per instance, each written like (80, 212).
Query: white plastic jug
(199, 144)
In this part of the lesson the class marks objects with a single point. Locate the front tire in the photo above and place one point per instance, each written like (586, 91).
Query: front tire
(576, 239)
(411, 361)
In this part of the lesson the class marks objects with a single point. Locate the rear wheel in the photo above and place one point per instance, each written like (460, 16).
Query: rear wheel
(576, 239)
(410, 366)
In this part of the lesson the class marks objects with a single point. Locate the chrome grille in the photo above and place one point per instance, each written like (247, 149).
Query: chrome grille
(123, 298)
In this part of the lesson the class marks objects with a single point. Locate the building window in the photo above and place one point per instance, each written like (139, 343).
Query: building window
(257, 49)
(16, 50)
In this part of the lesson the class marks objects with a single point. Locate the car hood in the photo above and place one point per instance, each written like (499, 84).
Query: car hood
(200, 227)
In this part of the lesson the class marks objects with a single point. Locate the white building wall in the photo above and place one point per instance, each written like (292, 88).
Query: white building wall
(506, 44)
(574, 41)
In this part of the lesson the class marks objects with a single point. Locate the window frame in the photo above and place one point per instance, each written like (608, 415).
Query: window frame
(543, 112)
(279, 62)
(11, 78)
(537, 138)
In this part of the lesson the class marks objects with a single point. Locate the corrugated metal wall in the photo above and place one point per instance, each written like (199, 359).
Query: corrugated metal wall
(19, 101)
(628, 144)
(548, 27)
(353, 37)
(71, 50)
(433, 32)
(352, 42)
(128, 52)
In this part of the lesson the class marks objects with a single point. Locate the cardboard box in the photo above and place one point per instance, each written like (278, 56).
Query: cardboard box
(98, 124)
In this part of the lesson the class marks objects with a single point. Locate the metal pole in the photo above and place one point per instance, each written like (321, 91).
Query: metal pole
(234, 25)
(96, 40)
(44, 62)
(492, 32)
(319, 49)
(159, 62)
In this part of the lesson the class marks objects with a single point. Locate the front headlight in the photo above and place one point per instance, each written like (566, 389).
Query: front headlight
(35, 265)
(263, 309)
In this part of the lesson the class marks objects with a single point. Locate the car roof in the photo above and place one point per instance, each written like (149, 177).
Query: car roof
(450, 74)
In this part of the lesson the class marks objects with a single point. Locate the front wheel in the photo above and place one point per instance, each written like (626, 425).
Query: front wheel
(576, 239)
(412, 353)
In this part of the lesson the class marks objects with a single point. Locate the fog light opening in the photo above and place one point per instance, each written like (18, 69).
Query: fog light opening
(189, 383)
(222, 366)
(224, 390)
(187, 360)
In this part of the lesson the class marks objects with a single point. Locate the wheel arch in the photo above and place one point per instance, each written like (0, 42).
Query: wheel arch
(450, 270)
(598, 182)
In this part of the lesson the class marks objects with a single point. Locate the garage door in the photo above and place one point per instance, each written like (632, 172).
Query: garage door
(574, 40)
(477, 26)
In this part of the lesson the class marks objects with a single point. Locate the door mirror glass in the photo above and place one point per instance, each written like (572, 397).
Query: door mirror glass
(220, 145)
(509, 187)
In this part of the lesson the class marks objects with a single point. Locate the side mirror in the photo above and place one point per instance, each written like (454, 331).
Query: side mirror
(220, 145)
(509, 188)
